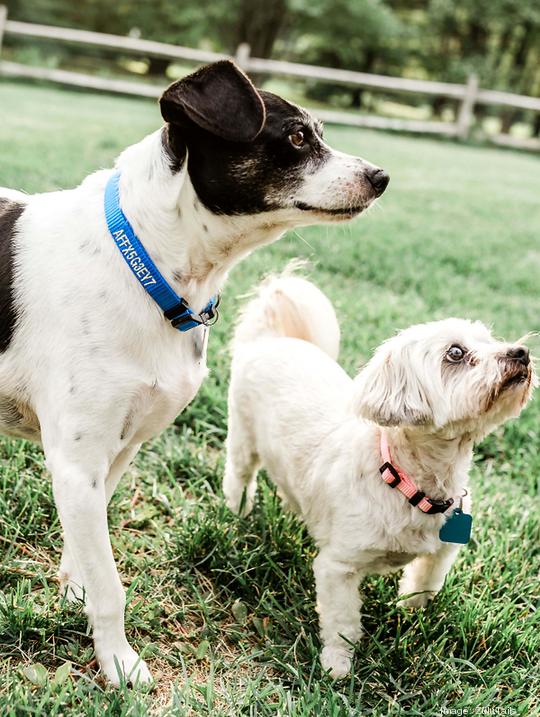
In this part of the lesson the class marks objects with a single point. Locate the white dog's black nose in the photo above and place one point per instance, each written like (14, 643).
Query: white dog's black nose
(519, 353)
(378, 179)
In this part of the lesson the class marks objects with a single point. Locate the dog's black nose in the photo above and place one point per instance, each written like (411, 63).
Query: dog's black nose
(519, 353)
(378, 179)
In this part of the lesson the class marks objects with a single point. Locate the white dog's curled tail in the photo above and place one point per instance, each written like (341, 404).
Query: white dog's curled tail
(290, 306)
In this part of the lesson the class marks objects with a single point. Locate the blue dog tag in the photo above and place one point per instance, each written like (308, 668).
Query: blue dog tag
(457, 528)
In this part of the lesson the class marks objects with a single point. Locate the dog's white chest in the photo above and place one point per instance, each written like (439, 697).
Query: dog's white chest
(178, 378)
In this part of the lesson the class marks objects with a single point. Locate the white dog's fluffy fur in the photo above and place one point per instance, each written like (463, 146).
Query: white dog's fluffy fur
(295, 412)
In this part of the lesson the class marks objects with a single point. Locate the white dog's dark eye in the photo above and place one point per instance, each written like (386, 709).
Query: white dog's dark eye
(455, 354)
(297, 139)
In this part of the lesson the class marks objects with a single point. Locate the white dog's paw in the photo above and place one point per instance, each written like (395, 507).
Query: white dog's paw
(125, 664)
(420, 599)
(337, 661)
(240, 505)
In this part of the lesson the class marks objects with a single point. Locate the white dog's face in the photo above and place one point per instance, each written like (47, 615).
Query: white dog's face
(445, 374)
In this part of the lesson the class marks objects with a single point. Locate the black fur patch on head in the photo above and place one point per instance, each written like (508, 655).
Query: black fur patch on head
(10, 213)
(218, 98)
(251, 177)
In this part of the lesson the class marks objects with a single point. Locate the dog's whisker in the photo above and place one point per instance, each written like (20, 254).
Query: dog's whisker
(528, 336)
(299, 236)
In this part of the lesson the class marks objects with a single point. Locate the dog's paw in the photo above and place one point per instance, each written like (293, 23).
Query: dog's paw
(420, 599)
(336, 661)
(241, 506)
(125, 665)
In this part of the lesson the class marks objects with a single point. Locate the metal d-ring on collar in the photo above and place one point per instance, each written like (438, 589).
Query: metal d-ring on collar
(174, 307)
(180, 314)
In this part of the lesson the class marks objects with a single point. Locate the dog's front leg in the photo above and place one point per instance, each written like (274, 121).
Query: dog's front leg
(80, 496)
(69, 574)
(424, 576)
(338, 605)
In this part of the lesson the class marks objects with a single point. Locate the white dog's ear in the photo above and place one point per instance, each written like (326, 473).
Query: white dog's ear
(218, 98)
(387, 390)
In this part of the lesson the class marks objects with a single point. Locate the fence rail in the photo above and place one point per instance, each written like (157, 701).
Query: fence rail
(468, 95)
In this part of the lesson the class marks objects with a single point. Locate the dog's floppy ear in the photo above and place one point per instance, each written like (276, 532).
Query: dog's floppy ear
(387, 390)
(218, 98)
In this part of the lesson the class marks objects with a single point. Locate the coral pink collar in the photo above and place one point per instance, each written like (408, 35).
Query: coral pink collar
(396, 478)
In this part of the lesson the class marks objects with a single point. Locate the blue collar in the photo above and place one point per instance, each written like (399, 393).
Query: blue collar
(175, 308)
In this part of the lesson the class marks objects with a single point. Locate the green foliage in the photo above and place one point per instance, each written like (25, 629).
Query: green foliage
(499, 40)
(494, 38)
(356, 34)
(222, 608)
(361, 35)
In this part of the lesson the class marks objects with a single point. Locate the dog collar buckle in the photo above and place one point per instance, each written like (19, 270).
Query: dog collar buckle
(439, 506)
(417, 497)
(179, 314)
(394, 477)
(183, 318)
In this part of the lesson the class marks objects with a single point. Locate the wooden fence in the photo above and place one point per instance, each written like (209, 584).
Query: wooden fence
(467, 95)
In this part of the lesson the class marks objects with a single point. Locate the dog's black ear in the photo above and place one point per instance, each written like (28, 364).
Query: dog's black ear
(219, 98)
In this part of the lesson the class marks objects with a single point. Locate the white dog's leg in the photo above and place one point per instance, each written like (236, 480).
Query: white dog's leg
(242, 463)
(71, 584)
(79, 492)
(425, 575)
(338, 605)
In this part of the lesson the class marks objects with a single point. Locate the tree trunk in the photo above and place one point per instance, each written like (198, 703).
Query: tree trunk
(520, 58)
(507, 120)
(356, 97)
(510, 116)
(158, 66)
(438, 105)
(477, 39)
(357, 93)
(259, 23)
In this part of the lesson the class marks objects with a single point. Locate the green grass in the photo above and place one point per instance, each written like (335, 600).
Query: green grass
(456, 234)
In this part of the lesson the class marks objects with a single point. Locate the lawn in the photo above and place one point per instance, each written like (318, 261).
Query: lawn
(222, 608)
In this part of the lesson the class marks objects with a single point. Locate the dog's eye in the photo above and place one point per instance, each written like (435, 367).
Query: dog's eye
(455, 354)
(297, 139)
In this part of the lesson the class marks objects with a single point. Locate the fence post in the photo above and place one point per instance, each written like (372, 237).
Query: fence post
(243, 52)
(466, 111)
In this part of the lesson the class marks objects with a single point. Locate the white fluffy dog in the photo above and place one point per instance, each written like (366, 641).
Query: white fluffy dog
(336, 447)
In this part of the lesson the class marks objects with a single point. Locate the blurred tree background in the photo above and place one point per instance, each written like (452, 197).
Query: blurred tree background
(499, 40)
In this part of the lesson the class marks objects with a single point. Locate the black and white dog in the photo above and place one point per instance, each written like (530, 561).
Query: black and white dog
(89, 365)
